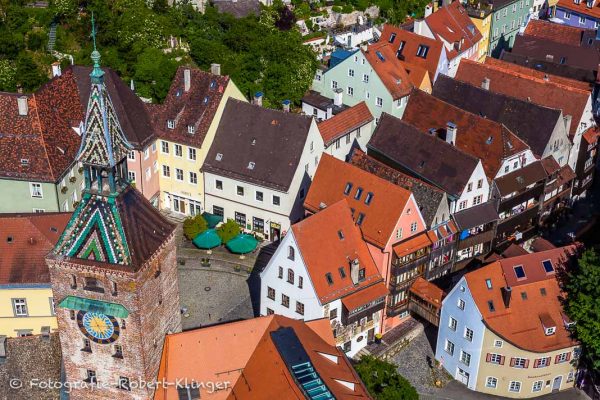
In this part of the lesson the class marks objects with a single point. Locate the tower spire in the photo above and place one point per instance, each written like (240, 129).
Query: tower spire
(97, 73)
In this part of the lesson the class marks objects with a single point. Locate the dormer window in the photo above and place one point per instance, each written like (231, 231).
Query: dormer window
(191, 129)
(550, 331)
(348, 188)
(392, 38)
(422, 51)
(219, 157)
(520, 272)
(369, 198)
(170, 124)
(251, 165)
(358, 193)
(548, 267)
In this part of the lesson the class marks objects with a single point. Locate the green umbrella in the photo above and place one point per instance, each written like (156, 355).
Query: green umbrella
(212, 219)
(207, 239)
(242, 244)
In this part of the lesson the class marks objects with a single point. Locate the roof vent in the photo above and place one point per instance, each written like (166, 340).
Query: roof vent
(24, 162)
(322, 205)
(489, 140)
(219, 157)
(253, 141)
(251, 165)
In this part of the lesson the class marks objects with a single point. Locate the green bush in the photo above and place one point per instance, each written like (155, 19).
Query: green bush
(193, 226)
(383, 380)
(336, 9)
(347, 9)
(228, 230)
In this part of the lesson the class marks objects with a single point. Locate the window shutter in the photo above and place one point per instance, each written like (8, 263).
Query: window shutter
(512, 362)
(536, 363)
(488, 357)
(568, 356)
(547, 361)
(527, 363)
(502, 358)
(556, 359)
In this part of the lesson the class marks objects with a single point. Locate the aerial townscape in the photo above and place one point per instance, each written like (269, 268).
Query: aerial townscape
(299, 199)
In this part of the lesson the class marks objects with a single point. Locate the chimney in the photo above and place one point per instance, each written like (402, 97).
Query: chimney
(354, 268)
(451, 131)
(23, 106)
(428, 10)
(338, 97)
(485, 84)
(187, 79)
(132, 86)
(546, 77)
(215, 69)
(329, 111)
(56, 71)
(506, 292)
(286, 105)
(258, 97)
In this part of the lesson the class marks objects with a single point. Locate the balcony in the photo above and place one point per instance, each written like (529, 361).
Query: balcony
(350, 318)
(345, 333)
(482, 236)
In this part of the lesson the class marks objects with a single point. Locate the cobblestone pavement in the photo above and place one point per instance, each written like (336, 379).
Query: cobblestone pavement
(213, 296)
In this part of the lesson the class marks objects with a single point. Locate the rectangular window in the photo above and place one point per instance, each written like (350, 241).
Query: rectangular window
(258, 224)
(494, 358)
(491, 382)
(299, 308)
(561, 358)
(240, 190)
(285, 300)
(192, 154)
(537, 386)
(271, 293)
(422, 51)
(413, 227)
(191, 129)
(90, 376)
(170, 124)
(20, 307)
(465, 358)
(449, 347)
(350, 91)
(462, 205)
(280, 273)
(193, 178)
(365, 78)
(166, 171)
(350, 72)
(469, 334)
(258, 195)
(36, 190)
(276, 200)
(541, 362)
(519, 362)
(179, 174)
(164, 147)
(131, 176)
(333, 313)
(146, 153)
(480, 184)
(514, 386)
(300, 282)
(178, 150)
(240, 219)
(218, 211)
(218, 184)
(452, 323)
(461, 304)
(379, 102)
(334, 84)
(131, 155)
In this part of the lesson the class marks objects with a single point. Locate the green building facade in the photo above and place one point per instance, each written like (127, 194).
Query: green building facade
(508, 16)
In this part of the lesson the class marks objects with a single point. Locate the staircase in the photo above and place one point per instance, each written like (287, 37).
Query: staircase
(52, 36)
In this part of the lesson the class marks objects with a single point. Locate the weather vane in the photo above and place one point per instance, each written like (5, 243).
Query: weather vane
(93, 31)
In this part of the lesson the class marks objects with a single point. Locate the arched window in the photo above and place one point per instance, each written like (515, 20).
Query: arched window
(291, 253)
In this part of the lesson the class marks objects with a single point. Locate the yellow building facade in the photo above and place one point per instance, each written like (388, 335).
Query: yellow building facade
(180, 162)
(25, 310)
(506, 370)
(481, 16)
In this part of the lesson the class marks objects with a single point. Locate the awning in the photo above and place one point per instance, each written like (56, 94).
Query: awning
(364, 296)
(106, 308)
(212, 219)
(207, 239)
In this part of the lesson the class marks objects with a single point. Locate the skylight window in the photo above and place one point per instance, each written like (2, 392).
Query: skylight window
(543, 291)
(329, 278)
(219, 157)
(206, 100)
(489, 140)
(348, 188)
(519, 272)
(524, 295)
(548, 267)
(342, 272)
(358, 193)
(488, 284)
(24, 161)
(491, 306)
(380, 56)
(213, 84)
(341, 234)
(369, 198)
(392, 38)
(360, 219)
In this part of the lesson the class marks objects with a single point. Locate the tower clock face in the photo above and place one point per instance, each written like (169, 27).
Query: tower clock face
(100, 328)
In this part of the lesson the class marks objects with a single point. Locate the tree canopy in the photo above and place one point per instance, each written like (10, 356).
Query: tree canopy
(383, 380)
(582, 304)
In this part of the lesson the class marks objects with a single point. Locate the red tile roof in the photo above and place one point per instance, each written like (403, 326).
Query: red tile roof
(25, 240)
(412, 41)
(559, 33)
(582, 7)
(364, 297)
(411, 245)
(380, 216)
(524, 83)
(334, 226)
(244, 354)
(195, 107)
(520, 323)
(591, 135)
(453, 25)
(345, 122)
(427, 291)
(390, 70)
(480, 137)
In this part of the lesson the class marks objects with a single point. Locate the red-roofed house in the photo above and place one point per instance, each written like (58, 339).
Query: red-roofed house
(347, 130)
(323, 268)
(452, 26)
(26, 302)
(503, 330)
(386, 214)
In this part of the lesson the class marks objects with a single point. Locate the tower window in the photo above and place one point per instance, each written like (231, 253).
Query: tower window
(93, 285)
(118, 351)
(114, 290)
(124, 383)
(73, 282)
(91, 376)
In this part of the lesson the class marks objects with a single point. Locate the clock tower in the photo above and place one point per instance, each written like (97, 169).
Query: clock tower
(113, 271)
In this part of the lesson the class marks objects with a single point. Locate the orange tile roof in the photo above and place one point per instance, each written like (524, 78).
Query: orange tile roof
(412, 41)
(380, 216)
(427, 291)
(452, 23)
(345, 122)
(559, 33)
(520, 323)
(390, 70)
(581, 8)
(411, 245)
(244, 355)
(25, 240)
(327, 226)
(418, 76)
(591, 135)
(526, 85)
(360, 298)
(474, 132)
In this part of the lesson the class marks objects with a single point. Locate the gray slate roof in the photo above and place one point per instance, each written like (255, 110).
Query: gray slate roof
(532, 123)
(422, 155)
(272, 140)
(553, 68)
(479, 215)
